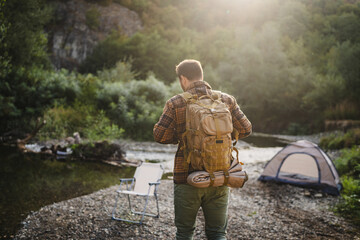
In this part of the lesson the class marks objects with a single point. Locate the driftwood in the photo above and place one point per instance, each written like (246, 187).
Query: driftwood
(22, 142)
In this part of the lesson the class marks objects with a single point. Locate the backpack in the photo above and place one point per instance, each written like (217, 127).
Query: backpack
(207, 142)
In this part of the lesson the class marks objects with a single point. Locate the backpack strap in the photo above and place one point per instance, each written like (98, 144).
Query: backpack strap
(217, 93)
(186, 95)
(187, 154)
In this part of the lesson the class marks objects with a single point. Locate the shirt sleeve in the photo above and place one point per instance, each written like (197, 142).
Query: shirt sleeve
(240, 121)
(164, 130)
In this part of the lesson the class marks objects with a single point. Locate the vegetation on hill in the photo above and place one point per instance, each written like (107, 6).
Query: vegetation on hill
(290, 65)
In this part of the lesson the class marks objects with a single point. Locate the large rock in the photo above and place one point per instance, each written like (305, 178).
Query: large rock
(80, 25)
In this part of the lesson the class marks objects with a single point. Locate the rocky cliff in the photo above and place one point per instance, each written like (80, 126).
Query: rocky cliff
(79, 26)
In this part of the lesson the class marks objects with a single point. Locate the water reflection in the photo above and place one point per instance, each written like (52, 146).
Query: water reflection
(31, 181)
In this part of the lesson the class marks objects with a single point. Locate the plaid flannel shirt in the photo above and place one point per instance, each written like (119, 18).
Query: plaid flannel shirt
(172, 124)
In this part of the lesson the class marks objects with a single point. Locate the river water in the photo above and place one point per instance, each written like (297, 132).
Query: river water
(31, 181)
(253, 149)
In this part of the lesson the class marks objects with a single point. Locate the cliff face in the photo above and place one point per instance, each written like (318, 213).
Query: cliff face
(80, 25)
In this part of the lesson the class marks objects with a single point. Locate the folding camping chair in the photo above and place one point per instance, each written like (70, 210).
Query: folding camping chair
(144, 184)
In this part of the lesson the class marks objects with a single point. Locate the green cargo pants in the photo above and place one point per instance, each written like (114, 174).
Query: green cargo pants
(214, 203)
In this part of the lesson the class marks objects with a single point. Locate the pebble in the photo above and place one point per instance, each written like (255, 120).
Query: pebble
(257, 211)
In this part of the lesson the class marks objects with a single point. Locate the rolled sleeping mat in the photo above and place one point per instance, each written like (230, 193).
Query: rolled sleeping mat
(237, 177)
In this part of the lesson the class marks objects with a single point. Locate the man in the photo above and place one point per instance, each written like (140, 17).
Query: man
(169, 130)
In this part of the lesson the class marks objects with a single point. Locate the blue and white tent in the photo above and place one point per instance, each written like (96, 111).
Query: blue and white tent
(303, 163)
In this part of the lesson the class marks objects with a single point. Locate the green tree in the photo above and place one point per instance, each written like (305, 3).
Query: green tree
(5, 59)
(25, 38)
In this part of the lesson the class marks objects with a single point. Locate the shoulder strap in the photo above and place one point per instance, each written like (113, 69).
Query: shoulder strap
(186, 95)
(217, 93)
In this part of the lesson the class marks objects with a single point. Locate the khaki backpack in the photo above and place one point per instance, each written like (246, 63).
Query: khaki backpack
(207, 139)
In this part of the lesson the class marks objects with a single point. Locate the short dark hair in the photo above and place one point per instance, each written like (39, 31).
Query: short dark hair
(190, 68)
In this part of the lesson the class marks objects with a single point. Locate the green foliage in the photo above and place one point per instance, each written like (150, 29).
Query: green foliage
(5, 59)
(61, 122)
(134, 106)
(290, 65)
(348, 166)
(349, 162)
(348, 62)
(92, 18)
(106, 54)
(99, 127)
(350, 204)
(146, 52)
(91, 124)
(22, 55)
(120, 73)
(27, 93)
(347, 140)
(25, 40)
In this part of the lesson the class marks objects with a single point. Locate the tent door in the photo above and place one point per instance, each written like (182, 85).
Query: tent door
(299, 167)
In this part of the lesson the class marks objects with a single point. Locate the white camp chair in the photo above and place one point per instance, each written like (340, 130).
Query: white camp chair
(144, 184)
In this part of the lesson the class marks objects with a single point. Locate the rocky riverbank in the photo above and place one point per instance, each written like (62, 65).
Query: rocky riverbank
(257, 211)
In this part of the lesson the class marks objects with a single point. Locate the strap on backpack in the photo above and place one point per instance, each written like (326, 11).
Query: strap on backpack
(226, 179)
(186, 95)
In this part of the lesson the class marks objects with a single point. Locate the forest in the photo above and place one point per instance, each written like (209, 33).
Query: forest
(291, 65)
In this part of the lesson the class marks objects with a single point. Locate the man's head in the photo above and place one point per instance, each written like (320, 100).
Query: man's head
(189, 71)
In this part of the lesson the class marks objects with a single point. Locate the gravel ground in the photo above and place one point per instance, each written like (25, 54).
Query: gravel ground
(257, 211)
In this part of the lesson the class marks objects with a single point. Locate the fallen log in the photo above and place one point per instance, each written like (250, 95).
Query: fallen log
(22, 142)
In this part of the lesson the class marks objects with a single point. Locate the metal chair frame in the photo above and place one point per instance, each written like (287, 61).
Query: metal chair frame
(129, 184)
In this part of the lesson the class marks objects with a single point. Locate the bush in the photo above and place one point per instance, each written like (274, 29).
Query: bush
(120, 73)
(348, 166)
(134, 106)
(27, 93)
(61, 122)
(346, 140)
(350, 203)
(349, 162)
(99, 127)
(91, 124)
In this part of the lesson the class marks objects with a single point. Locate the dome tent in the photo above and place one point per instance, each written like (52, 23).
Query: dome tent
(303, 163)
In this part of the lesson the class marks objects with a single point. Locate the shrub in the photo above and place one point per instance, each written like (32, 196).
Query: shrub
(120, 73)
(27, 93)
(346, 140)
(134, 106)
(92, 124)
(350, 203)
(348, 166)
(61, 122)
(349, 162)
(99, 127)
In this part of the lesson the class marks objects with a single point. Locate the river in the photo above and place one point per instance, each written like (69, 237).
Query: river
(31, 181)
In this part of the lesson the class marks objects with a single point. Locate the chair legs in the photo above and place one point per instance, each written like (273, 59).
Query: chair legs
(142, 213)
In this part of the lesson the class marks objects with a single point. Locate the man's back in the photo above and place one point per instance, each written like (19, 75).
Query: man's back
(169, 130)
(172, 123)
